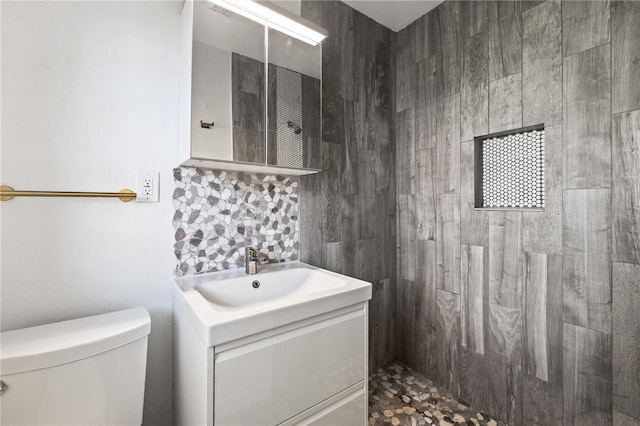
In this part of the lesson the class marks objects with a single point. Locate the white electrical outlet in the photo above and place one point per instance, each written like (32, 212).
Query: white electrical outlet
(148, 187)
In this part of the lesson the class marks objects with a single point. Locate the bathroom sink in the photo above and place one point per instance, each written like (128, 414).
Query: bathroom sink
(269, 286)
(225, 306)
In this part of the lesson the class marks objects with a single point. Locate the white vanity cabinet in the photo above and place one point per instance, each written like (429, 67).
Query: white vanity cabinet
(312, 371)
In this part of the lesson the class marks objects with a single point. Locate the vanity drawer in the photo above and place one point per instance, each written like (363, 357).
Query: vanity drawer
(347, 411)
(271, 380)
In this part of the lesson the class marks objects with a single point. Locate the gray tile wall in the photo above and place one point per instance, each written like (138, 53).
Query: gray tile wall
(347, 212)
(531, 316)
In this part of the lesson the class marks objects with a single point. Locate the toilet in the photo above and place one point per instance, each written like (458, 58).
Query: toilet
(87, 371)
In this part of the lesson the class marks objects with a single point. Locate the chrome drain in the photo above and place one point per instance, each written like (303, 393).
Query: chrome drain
(255, 284)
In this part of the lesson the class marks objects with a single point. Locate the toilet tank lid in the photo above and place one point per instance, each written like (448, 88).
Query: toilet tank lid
(54, 344)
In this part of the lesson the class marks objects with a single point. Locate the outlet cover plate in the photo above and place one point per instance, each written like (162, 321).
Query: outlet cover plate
(148, 187)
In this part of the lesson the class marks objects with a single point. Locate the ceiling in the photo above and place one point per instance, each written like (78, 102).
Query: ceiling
(394, 14)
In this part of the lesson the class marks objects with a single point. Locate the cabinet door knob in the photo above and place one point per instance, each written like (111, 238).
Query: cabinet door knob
(3, 387)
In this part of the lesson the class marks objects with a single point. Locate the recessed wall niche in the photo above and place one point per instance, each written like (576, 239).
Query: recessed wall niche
(509, 169)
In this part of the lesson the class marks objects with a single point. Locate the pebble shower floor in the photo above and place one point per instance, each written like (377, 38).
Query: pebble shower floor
(400, 396)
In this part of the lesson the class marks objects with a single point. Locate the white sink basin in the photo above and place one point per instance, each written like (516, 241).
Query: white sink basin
(225, 306)
(268, 287)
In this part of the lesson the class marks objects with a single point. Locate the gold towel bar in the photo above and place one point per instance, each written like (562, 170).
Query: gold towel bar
(7, 193)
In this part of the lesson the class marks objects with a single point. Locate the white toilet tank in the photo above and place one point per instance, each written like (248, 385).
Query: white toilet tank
(87, 371)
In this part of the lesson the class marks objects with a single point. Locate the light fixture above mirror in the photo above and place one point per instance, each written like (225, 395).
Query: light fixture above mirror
(275, 17)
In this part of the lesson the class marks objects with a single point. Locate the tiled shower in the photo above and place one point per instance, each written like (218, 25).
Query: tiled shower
(528, 315)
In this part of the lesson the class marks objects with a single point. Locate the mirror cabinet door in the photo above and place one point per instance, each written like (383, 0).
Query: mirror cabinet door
(228, 86)
(294, 103)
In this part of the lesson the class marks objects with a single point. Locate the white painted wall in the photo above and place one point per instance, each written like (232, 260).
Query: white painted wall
(89, 96)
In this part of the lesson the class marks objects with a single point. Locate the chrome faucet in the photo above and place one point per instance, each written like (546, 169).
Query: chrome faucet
(251, 260)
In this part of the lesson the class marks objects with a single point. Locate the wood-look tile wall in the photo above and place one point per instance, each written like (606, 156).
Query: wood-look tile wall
(347, 212)
(530, 315)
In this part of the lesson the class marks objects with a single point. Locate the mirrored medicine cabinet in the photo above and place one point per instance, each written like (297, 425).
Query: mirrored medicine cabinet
(250, 98)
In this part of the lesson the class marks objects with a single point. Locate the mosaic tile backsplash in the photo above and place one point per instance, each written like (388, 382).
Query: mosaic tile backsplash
(219, 213)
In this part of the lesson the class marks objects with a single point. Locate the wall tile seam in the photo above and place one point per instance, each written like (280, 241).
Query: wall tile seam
(591, 188)
(538, 6)
(573, 55)
(541, 253)
(630, 111)
(491, 80)
(637, 419)
(562, 25)
(613, 262)
(564, 321)
(611, 217)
